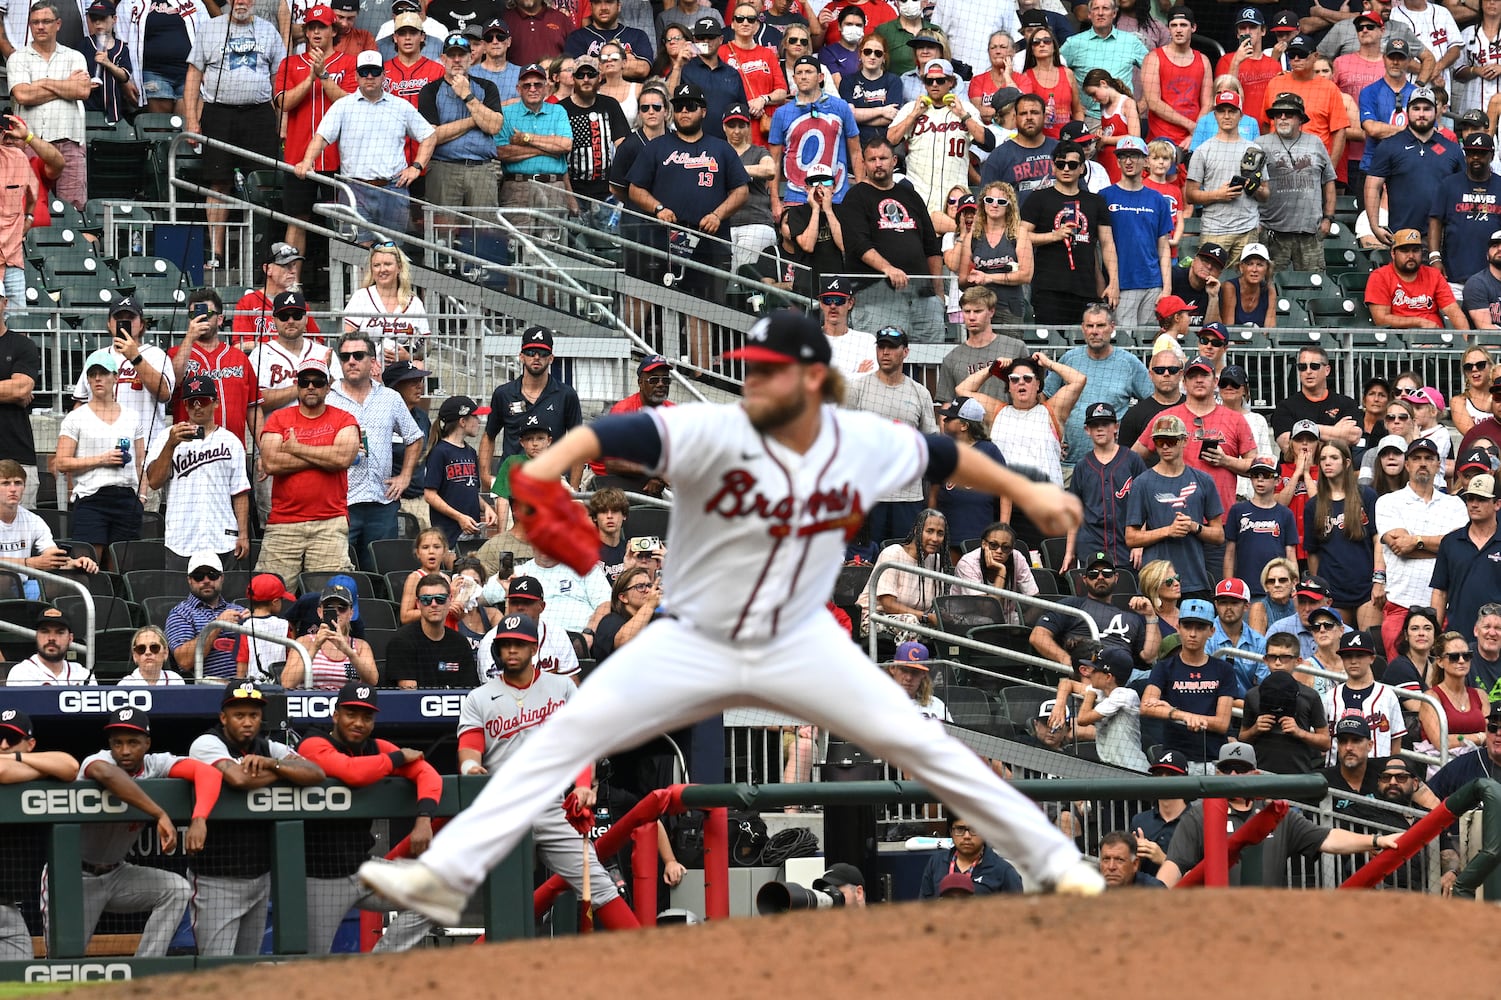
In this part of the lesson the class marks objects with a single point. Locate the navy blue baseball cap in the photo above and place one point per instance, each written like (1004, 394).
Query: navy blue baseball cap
(1250, 15)
(520, 627)
(357, 695)
(650, 362)
(786, 337)
(129, 718)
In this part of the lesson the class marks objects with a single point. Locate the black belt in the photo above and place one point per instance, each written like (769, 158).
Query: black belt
(467, 163)
(376, 181)
(91, 869)
(534, 177)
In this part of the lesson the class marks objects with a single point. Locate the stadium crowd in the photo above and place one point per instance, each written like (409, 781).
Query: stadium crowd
(929, 173)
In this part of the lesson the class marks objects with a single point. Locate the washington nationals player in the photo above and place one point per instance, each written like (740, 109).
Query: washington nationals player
(110, 884)
(766, 493)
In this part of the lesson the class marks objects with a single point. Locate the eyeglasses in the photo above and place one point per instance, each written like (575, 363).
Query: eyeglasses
(585, 73)
(1278, 579)
(369, 71)
(1098, 574)
(143, 648)
(992, 200)
(1323, 626)
(650, 107)
(528, 84)
(1387, 779)
(656, 379)
(872, 52)
(1021, 378)
(312, 382)
(795, 41)
(1396, 418)
(204, 574)
(1457, 657)
(293, 314)
(999, 546)
(639, 588)
(1475, 366)
(1067, 164)
(1493, 727)
(428, 600)
(1310, 366)
(1279, 657)
(1166, 369)
(960, 830)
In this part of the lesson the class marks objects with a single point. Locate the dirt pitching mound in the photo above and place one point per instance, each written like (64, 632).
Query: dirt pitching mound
(1133, 943)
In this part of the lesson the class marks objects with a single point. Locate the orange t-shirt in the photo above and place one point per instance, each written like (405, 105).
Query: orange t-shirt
(1322, 101)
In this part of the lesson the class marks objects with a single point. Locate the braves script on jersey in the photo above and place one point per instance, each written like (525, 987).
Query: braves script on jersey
(507, 715)
(770, 547)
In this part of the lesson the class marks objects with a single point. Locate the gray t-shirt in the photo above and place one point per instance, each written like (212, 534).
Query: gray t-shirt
(1212, 166)
(1483, 291)
(1296, 839)
(237, 69)
(964, 360)
(1297, 171)
(907, 402)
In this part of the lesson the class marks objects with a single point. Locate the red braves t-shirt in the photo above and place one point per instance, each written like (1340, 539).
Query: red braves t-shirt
(238, 387)
(761, 73)
(311, 494)
(1423, 296)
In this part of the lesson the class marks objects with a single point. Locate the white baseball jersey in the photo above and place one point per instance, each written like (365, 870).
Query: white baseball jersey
(32, 672)
(507, 715)
(276, 366)
(1377, 704)
(1479, 51)
(107, 843)
(207, 475)
(555, 653)
(150, 413)
(761, 552)
(938, 149)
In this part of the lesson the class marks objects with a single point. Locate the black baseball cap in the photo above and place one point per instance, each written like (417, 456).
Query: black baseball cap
(526, 588)
(17, 722)
(1234, 375)
(1352, 725)
(536, 338)
(402, 371)
(841, 874)
(786, 337)
(288, 300)
(128, 304)
(200, 387)
(688, 94)
(892, 335)
(357, 695)
(1169, 761)
(1100, 413)
(128, 718)
(516, 627)
(245, 691)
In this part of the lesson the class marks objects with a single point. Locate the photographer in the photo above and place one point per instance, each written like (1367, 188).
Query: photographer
(210, 508)
(1284, 718)
(203, 353)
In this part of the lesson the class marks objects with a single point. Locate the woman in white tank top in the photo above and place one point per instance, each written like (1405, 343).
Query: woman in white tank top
(1029, 431)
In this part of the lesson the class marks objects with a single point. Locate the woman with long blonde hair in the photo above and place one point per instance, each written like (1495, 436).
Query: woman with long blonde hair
(999, 254)
(387, 309)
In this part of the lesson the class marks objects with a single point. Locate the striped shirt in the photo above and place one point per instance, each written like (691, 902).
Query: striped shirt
(206, 477)
(187, 620)
(370, 134)
(384, 420)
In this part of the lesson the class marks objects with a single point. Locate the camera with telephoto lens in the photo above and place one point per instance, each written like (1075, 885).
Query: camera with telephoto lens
(1248, 177)
(1279, 695)
(779, 897)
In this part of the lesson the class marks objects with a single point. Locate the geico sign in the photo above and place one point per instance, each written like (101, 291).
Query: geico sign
(105, 700)
(335, 799)
(311, 706)
(442, 706)
(79, 972)
(54, 801)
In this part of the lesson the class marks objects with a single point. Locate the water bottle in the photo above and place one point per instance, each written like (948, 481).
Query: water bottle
(614, 222)
(137, 243)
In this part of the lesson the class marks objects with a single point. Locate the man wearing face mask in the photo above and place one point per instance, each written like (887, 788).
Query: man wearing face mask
(897, 34)
(840, 54)
(719, 82)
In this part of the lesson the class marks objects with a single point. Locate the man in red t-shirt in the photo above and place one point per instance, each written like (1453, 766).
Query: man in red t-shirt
(1408, 294)
(203, 353)
(1220, 442)
(255, 321)
(1250, 64)
(409, 70)
(306, 84)
(307, 450)
(654, 379)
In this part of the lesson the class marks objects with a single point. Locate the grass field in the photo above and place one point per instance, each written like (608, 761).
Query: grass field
(9, 990)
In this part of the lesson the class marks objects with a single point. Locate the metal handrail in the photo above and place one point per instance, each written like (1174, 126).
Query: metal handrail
(200, 648)
(90, 615)
(877, 618)
(1340, 677)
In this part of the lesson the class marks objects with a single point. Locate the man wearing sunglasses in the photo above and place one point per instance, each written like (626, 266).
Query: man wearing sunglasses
(653, 383)
(1071, 240)
(210, 508)
(427, 653)
(1285, 857)
(938, 127)
(1165, 368)
(1336, 415)
(203, 352)
(1056, 636)
(1295, 223)
(307, 449)
(205, 603)
(465, 110)
(854, 351)
(598, 125)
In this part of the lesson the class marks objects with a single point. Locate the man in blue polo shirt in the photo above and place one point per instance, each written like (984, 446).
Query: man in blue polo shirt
(1467, 571)
(1142, 222)
(1464, 213)
(1383, 102)
(1409, 164)
(466, 112)
(718, 80)
(533, 144)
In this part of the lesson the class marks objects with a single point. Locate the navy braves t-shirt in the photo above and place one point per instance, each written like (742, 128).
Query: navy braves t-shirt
(1467, 209)
(691, 178)
(861, 94)
(1260, 534)
(1196, 690)
(453, 472)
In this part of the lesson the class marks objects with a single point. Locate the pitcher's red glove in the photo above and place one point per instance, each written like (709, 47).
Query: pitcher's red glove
(554, 524)
(580, 818)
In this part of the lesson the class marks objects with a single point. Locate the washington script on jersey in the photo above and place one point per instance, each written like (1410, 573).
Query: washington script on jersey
(838, 509)
(524, 719)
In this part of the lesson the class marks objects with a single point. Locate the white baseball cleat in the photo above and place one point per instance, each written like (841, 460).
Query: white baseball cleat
(411, 885)
(1082, 879)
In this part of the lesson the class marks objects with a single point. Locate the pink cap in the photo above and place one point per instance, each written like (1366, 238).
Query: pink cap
(1233, 587)
(1428, 394)
(1227, 97)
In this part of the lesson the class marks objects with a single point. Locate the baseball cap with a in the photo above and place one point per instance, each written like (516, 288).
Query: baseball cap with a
(963, 408)
(1237, 753)
(1285, 20)
(245, 691)
(357, 695)
(1214, 253)
(1234, 375)
(1004, 97)
(17, 722)
(1227, 98)
(707, 27)
(1369, 15)
(1300, 43)
(1100, 413)
(1422, 94)
(1233, 588)
(835, 284)
(1481, 487)
(536, 338)
(524, 588)
(1180, 12)
(336, 592)
(1423, 444)
(1166, 761)
(535, 69)
(520, 627)
(456, 43)
(652, 362)
(913, 654)
(1171, 305)
(1263, 463)
(1474, 460)
(128, 305)
(1357, 643)
(1200, 364)
(892, 335)
(1130, 145)
(1034, 18)
(288, 301)
(840, 874)
(1392, 442)
(205, 559)
(1305, 427)
(1481, 142)
(1169, 427)
(937, 69)
(736, 112)
(103, 358)
(458, 407)
(1250, 15)
(268, 587)
(1313, 588)
(200, 387)
(1217, 330)
(497, 27)
(1098, 559)
(1406, 238)
(1395, 46)
(786, 337)
(402, 371)
(284, 253)
(319, 14)
(402, 22)
(313, 363)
